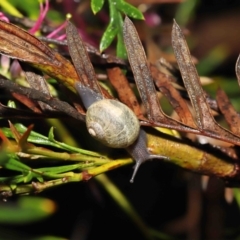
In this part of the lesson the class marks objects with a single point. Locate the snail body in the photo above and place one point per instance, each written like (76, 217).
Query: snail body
(112, 123)
(115, 125)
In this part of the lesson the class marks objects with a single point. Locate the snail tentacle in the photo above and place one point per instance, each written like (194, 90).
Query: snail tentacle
(138, 150)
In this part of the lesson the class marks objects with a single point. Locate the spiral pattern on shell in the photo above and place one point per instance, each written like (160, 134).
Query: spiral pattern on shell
(112, 123)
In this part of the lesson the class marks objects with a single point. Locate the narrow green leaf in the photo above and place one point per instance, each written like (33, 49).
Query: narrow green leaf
(40, 139)
(21, 128)
(96, 5)
(28, 177)
(51, 135)
(11, 163)
(62, 169)
(68, 147)
(112, 28)
(34, 137)
(121, 49)
(124, 203)
(129, 10)
(13, 180)
(108, 36)
(16, 165)
(40, 179)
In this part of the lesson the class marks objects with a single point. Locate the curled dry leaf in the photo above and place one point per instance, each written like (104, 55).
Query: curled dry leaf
(17, 43)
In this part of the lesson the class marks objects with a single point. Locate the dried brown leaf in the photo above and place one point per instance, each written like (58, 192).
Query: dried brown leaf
(94, 54)
(37, 81)
(178, 103)
(27, 102)
(23, 143)
(21, 139)
(144, 82)
(16, 134)
(204, 119)
(80, 58)
(141, 72)
(55, 103)
(125, 93)
(17, 43)
(228, 111)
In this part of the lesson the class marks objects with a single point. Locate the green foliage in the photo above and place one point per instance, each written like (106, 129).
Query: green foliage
(117, 10)
(12, 6)
(114, 28)
(29, 209)
(72, 160)
(186, 11)
(96, 5)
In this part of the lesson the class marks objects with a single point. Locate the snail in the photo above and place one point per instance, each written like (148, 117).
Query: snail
(115, 125)
(112, 123)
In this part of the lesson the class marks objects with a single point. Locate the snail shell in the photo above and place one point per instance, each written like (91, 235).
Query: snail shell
(112, 123)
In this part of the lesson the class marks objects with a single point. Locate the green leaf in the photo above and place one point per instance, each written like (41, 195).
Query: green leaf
(40, 179)
(112, 28)
(11, 104)
(13, 180)
(68, 147)
(8, 162)
(9, 8)
(108, 36)
(27, 209)
(51, 135)
(129, 10)
(28, 177)
(37, 138)
(34, 137)
(96, 5)
(62, 169)
(121, 49)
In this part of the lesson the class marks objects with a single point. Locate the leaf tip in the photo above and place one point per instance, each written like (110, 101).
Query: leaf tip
(175, 25)
(101, 48)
